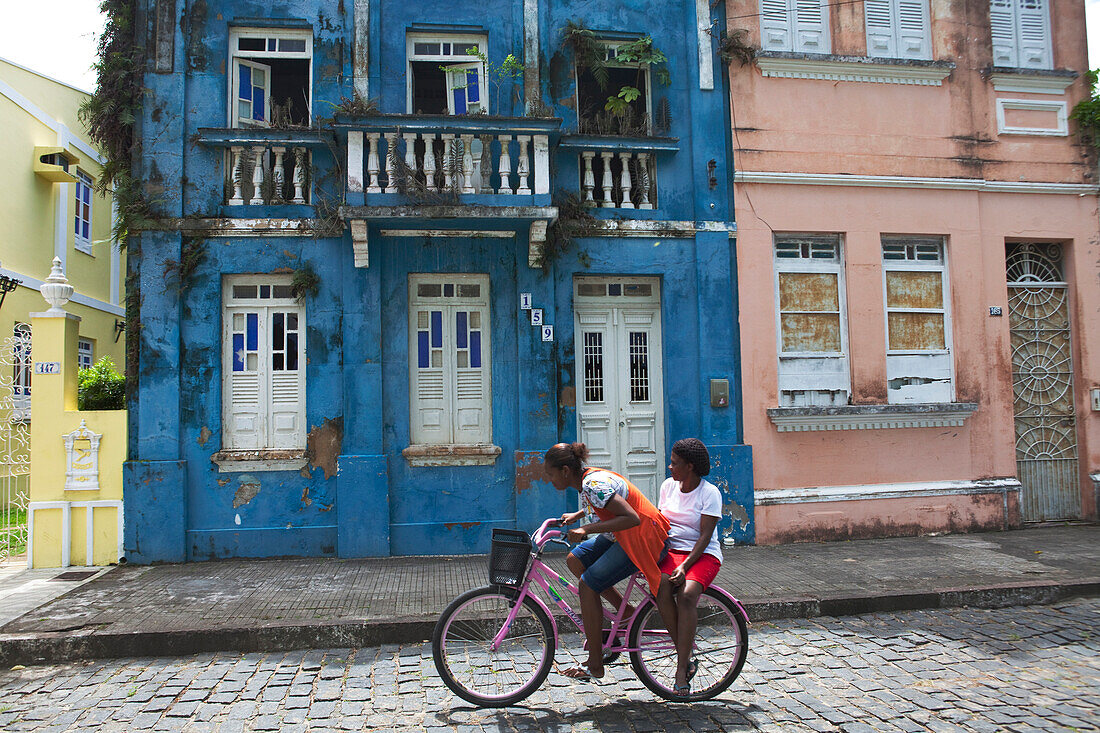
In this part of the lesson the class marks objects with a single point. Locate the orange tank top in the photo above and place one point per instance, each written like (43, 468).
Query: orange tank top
(642, 544)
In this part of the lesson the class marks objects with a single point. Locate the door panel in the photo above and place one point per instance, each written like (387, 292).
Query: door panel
(619, 412)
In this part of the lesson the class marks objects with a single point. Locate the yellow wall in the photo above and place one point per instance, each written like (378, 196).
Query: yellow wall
(28, 210)
(53, 407)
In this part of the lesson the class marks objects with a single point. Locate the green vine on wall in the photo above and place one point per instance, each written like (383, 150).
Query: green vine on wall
(1087, 112)
(574, 216)
(110, 112)
(305, 283)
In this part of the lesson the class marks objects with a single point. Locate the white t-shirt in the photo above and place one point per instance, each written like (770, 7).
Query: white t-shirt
(685, 511)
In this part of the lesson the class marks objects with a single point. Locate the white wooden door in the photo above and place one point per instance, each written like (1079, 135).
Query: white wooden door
(620, 400)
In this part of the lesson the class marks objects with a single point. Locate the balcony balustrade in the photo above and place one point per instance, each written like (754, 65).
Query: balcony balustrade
(501, 161)
(266, 167)
(618, 172)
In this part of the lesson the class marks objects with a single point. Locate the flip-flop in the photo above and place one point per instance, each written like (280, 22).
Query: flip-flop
(693, 667)
(682, 690)
(581, 672)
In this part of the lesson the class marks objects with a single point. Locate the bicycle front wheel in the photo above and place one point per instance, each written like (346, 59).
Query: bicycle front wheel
(468, 662)
(721, 645)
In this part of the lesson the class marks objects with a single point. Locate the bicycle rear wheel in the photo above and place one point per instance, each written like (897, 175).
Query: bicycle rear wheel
(721, 645)
(471, 668)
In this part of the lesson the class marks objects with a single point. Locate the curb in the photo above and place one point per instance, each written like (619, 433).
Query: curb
(59, 647)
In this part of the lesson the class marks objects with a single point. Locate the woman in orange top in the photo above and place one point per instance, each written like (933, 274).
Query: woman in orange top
(640, 533)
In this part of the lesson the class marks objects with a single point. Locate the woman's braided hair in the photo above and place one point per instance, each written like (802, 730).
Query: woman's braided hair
(694, 452)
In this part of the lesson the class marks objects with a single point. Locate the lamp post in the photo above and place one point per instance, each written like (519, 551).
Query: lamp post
(7, 284)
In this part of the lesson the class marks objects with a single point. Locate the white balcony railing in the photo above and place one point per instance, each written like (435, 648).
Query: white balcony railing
(618, 179)
(486, 158)
(267, 175)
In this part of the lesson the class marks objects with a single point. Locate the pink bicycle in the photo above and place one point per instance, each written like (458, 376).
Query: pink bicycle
(494, 646)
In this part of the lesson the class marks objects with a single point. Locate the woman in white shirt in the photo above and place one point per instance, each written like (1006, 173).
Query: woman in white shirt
(693, 506)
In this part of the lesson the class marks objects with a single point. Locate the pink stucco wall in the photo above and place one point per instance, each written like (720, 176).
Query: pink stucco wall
(931, 132)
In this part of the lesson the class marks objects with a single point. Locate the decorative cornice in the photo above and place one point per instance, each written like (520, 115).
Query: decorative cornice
(653, 228)
(769, 497)
(851, 68)
(1003, 82)
(955, 184)
(230, 227)
(870, 417)
(451, 455)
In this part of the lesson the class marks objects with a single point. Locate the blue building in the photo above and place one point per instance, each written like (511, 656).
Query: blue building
(403, 248)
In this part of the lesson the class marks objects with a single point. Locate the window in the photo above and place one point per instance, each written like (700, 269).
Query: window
(85, 354)
(272, 77)
(82, 222)
(594, 119)
(812, 327)
(263, 364)
(918, 341)
(449, 379)
(1021, 33)
(794, 25)
(21, 376)
(898, 29)
(446, 77)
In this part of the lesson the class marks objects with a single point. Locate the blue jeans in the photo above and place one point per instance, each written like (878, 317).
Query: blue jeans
(604, 561)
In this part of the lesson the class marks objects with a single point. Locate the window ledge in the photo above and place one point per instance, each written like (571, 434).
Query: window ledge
(853, 68)
(480, 454)
(236, 461)
(870, 417)
(1032, 81)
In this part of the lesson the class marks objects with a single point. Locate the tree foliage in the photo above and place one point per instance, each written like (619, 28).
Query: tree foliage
(101, 387)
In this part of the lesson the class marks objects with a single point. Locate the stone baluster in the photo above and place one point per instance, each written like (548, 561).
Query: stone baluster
(429, 161)
(448, 169)
(607, 201)
(625, 184)
(589, 180)
(645, 174)
(468, 164)
(372, 162)
(391, 155)
(542, 164)
(486, 165)
(355, 161)
(505, 167)
(257, 176)
(278, 175)
(301, 163)
(523, 167)
(410, 153)
(236, 174)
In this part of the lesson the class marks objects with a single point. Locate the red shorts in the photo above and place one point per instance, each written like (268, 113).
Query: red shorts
(703, 571)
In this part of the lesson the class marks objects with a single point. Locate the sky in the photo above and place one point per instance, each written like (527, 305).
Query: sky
(63, 42)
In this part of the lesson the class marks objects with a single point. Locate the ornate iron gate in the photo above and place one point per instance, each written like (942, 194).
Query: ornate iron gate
(15, 454)
(1042, 381)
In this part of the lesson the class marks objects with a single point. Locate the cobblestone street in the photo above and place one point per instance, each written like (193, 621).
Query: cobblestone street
(1016, 669)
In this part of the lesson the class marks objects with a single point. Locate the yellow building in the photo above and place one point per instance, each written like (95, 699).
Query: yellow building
(48, 209)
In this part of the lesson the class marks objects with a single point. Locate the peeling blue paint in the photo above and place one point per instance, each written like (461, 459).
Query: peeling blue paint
(178, 506)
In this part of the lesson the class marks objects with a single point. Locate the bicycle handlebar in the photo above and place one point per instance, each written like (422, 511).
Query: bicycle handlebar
(544, 534)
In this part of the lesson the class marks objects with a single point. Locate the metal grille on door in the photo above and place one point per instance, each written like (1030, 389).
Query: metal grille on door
(1042, 380)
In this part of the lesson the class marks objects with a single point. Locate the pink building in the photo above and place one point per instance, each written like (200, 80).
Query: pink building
(917, 256)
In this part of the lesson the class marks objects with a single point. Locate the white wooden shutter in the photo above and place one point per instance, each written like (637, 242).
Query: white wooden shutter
(914, 29)
(1002, 26)
(472, 402)
(286, 361)
(879, 16)
(1033, 18)
(430, 416)
(775, 25)
(811, 24)
(243, 413)
(252, 87)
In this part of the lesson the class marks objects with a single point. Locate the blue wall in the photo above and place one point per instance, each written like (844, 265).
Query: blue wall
(178, 506)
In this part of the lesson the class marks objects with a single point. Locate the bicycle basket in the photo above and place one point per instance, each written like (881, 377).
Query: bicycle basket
(509, 556)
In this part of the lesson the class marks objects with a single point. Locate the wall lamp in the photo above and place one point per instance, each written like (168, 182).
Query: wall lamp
(120, 326)
(7, 284)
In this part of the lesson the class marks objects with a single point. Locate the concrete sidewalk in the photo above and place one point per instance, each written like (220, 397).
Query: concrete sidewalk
(263, 605)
